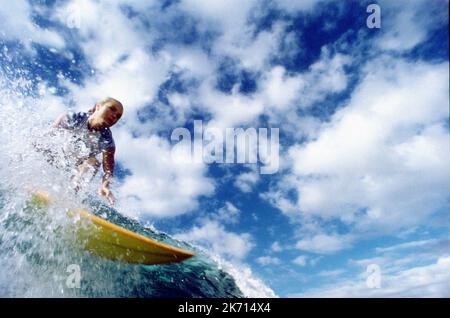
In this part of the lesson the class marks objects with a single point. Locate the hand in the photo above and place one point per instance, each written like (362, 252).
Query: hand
(105, 192)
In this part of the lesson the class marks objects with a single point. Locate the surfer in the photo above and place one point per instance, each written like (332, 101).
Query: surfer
(90, 135)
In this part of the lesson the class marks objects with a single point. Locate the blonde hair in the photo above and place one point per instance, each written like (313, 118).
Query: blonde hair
(106, 100)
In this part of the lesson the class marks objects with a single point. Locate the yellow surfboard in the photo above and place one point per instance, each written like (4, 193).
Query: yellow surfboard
(114, 242)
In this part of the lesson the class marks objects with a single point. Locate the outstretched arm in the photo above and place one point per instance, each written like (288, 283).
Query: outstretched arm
(108, 169)
(59, 122)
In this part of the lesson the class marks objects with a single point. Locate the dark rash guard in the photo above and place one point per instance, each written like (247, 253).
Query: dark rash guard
(84, 141)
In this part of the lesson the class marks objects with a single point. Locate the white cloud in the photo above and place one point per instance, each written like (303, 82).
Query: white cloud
(224, 14)
(327, 75)
(409, 245)
(279, 89)
(405, 24)
(410, 269)
(215, 238)
(304, 260)
(324, 244)
(139, 90)
(229, 110)
(331, 273)
(16, 24)
(117, 48)
(236, 36)
(420, 281)
(192, 60)
(157, 186)
(227, 214)
(105, 33)
(246, 181)
(375, 152)
(277, 197)
(268, 260)
(276, 247)
(294, 6)
(400, 257)
(300, 260)
(253, 53)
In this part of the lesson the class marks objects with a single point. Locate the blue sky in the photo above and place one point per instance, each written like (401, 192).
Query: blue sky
(362, 113)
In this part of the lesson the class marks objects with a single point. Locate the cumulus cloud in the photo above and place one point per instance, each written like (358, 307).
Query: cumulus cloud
(277, 196)
(300, 260)
(224, 15)
(116, 48)
(331, 273)
(156, 186)
(16, 24)
(227, 214)
(293, 6)
(305, 260)
(229, 110)
(420, 281)
(246, 181)
(276, 247)
(103, 31)
(284, 94)
(406, 269)
(252, 52)
(367, 165)
(237, 38)
(268, 260)
(139, 91)
(280, 89)
(221, 242)
(324, 244)
(406, 24)
(430, 243)
(278, 92)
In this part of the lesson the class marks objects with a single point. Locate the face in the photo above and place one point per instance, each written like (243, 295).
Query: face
(108, 114)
